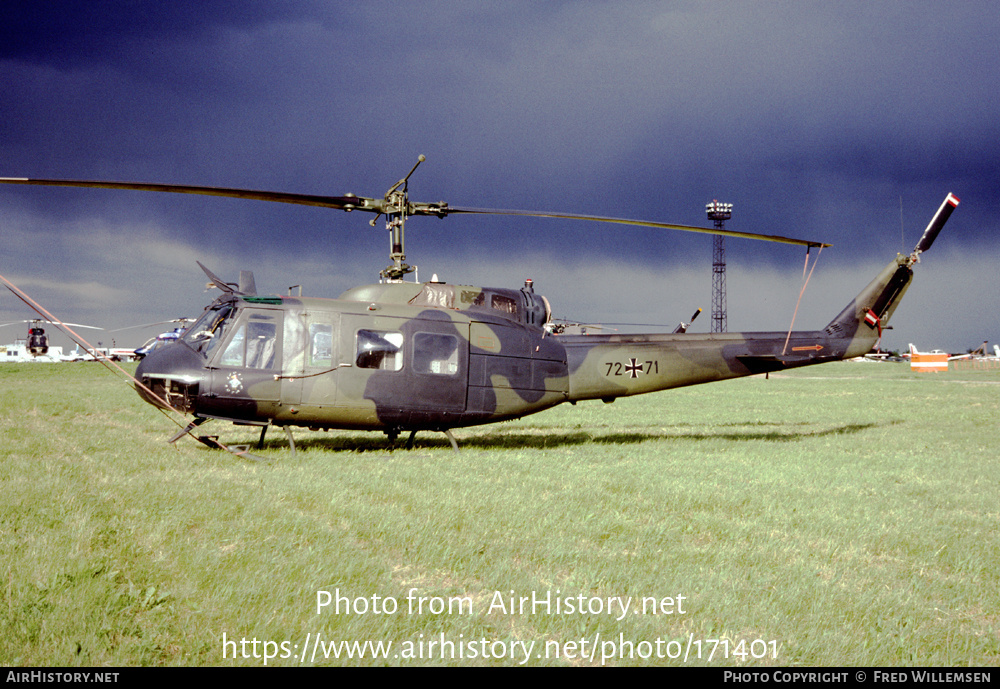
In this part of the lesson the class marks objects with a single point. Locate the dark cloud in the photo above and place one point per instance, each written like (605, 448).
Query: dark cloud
(73, 31)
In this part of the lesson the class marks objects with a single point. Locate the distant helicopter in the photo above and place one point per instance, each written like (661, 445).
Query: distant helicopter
(404, 357)
(159, 341)
(38, 341)
(36, 344)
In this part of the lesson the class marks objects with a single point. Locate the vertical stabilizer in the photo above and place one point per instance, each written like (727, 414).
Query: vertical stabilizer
(863, 319)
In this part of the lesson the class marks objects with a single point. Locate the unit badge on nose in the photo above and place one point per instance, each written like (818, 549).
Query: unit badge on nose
(234, 383)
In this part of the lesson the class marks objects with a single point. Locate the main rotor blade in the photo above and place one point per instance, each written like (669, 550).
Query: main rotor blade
(150, 325)
(641, 223)
(48, 322)
(217, 281)
(347, 202)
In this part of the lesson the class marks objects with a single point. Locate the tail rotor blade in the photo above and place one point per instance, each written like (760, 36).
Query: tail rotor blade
(937, 222)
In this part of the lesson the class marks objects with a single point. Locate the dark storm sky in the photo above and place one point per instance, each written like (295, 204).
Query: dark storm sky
(844, 122)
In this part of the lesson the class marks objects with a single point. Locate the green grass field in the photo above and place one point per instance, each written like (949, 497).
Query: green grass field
(846, 514)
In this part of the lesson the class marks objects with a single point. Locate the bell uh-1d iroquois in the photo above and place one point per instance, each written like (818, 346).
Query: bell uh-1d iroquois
(404, 356)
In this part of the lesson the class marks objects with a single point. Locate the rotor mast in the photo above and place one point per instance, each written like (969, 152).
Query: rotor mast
(396, 209)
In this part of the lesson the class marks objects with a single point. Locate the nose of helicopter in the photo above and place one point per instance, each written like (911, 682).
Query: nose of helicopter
(171, 377)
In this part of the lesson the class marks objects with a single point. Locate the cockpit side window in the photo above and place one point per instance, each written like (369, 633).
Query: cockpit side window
(253, 344)
(235, 354)
(262, 335)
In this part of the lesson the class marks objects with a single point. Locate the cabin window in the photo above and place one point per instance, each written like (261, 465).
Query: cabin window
(320, 344)
(503, 304)
(380, 349)
(435, 294)
(472, 297)
(435, 353)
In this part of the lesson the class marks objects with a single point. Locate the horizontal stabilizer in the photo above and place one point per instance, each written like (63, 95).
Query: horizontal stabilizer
(937, 222)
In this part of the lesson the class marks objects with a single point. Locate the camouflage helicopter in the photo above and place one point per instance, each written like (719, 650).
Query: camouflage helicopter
(402, 356)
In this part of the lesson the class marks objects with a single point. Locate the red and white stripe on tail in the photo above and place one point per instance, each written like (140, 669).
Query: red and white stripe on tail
(937, 222)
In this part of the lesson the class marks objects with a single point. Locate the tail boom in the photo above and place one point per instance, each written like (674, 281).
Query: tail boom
(610, 366)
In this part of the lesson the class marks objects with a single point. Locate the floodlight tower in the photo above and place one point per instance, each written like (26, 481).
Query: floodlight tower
(720, 213)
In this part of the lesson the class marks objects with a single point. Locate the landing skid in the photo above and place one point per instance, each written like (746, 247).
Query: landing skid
(394, 433)
(212, 441)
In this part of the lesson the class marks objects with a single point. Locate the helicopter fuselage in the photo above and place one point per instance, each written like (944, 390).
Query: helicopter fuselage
(391, 356)
(409, 356)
